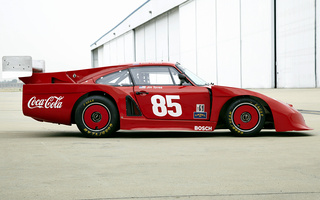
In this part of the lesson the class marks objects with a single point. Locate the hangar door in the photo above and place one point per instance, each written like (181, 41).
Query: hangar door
(295, 41)
(158, 39)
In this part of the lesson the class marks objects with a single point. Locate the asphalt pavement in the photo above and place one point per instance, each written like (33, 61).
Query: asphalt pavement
(48, 161)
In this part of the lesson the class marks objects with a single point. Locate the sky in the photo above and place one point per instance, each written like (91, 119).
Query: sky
(59, 32)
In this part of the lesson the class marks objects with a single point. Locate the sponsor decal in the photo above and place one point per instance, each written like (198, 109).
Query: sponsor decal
(200, 114)
(200, 108)
(51, 102)
(150, 87)
(203, 128)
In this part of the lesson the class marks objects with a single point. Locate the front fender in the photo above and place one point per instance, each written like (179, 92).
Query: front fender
(286, 118)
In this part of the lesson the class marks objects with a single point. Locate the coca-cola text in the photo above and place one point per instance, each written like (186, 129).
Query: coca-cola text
(51, 102)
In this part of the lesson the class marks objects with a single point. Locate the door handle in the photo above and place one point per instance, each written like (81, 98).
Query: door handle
(142, 92)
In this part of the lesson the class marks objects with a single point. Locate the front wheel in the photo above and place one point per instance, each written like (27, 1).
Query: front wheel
(245, 117)
(97, 116)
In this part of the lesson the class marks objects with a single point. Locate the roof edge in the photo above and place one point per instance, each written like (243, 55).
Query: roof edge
(120, 23)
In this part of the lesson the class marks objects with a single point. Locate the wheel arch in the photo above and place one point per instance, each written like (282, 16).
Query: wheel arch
(269, 123)
(92, 93)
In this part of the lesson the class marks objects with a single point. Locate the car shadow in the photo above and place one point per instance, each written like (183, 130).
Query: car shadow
(174, 134)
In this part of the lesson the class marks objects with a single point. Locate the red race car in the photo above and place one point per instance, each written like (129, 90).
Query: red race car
(151, 96)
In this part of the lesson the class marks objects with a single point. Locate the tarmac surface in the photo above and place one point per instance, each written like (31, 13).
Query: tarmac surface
(49, 161)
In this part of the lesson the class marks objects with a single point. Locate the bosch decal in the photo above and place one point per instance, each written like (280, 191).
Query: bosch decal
(51, 102)
(203, 128)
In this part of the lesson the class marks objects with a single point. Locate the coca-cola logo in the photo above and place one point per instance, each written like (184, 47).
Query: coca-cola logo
(51, 102)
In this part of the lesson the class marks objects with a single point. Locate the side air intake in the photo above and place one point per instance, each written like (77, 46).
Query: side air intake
(132, 107)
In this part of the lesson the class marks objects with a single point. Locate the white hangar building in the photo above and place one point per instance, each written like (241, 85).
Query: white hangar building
(239, 43)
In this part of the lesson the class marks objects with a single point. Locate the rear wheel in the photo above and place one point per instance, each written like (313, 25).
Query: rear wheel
(245, 117)
(97, 116)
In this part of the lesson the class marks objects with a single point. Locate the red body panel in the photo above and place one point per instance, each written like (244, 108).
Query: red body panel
(52, 97)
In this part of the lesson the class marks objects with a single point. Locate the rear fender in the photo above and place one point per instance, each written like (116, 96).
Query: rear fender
(42, 103)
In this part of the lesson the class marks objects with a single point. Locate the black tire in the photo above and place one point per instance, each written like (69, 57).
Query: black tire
(245, 117)
(97, 116)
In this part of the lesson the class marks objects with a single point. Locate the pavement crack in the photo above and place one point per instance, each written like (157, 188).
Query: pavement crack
(205, 195)
(312, 112)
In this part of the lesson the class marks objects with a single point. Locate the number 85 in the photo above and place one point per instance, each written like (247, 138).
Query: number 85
(160, 109)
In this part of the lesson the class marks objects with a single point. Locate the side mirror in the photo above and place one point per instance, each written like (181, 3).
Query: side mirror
(183, 79)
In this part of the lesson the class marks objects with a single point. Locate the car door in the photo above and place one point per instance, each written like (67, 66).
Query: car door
(160, 95)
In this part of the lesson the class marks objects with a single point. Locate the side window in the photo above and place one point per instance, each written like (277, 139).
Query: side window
(175, 76)
(152, 76)
(120, 78)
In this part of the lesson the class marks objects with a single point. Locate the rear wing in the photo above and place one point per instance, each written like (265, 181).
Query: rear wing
(32, 72)
(21, 66)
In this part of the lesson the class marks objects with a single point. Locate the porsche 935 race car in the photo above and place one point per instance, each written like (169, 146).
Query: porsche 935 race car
(151, 96)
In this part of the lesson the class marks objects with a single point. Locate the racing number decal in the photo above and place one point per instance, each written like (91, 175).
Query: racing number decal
(159, 105)
(160, 109)
(176, 105)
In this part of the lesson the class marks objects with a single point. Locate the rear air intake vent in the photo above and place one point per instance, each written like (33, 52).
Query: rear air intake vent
(132, 107)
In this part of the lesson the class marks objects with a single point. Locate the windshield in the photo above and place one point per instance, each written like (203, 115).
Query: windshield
(195, 79)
